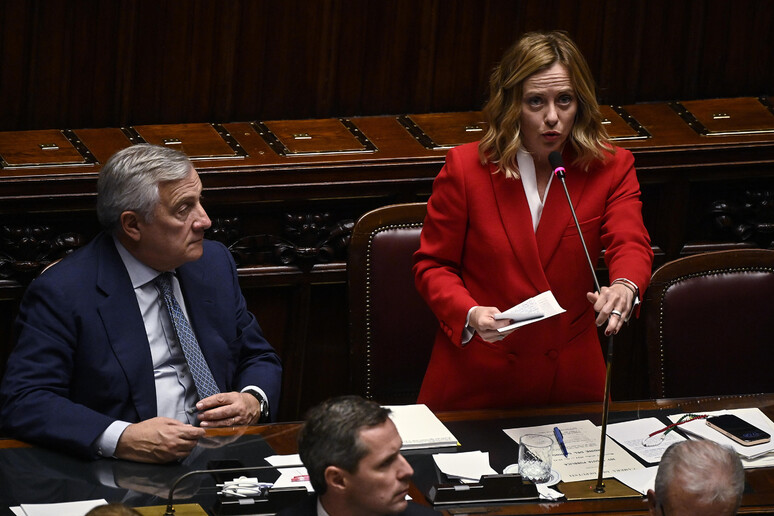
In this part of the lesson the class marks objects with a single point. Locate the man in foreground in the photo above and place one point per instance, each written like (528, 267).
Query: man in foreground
(351, 450)
(134, 344)
(697, 477)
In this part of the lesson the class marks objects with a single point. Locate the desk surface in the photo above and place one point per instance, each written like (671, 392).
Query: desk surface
(30, 474)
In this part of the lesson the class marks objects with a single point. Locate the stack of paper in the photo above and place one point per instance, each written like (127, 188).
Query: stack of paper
(420, 428)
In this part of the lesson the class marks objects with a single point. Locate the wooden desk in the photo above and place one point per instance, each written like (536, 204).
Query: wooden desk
(31, 474)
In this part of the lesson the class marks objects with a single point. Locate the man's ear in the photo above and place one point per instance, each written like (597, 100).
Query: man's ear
(130, 225)
(337, 478)
(652, 502)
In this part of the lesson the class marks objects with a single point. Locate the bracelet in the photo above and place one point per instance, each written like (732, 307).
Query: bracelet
(628, 284)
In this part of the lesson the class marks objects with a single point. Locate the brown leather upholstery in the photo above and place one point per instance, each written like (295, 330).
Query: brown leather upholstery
(710, 324)
(391, 327)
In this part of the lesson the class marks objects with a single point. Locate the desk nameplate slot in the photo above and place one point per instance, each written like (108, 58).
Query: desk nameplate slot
(444, 131)
(197, 141)
(305, 138)
(43, 148)
(727, 117)
(621, 126)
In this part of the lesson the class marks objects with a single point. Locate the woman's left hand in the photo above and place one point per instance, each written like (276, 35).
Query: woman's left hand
(613, 305)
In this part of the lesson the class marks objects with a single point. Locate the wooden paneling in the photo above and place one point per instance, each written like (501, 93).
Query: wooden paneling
(93, 63)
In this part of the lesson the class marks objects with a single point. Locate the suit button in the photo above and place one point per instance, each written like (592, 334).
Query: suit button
(552, 354)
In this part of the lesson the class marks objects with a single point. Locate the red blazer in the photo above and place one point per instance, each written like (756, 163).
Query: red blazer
(478, 248)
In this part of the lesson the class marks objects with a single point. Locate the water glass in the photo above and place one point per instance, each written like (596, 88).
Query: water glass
(535, 457)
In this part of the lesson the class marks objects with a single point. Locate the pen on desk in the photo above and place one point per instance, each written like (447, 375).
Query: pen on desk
(560, 440)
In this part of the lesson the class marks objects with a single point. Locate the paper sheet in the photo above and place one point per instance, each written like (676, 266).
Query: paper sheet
(537, 308)
(78, 508)
(296, 476)
(630, 434)
(640, 480)
(464, 465)
(582, 441)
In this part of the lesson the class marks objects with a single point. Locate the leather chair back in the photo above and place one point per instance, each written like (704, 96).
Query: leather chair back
(710, 325)
(391, 328)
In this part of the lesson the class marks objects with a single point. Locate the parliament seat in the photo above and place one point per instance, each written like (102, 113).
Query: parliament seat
(710, 326)
(391, 327)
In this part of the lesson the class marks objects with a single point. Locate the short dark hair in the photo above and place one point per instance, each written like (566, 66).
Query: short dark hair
(330, 435)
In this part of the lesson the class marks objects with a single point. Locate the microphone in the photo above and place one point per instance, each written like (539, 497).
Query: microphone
(280, 496)
(557, 164)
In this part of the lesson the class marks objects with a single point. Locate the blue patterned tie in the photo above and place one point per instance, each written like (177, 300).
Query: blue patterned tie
(202, 376)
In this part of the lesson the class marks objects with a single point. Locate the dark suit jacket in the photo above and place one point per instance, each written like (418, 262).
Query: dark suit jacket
(478, 247)
(308, 507)
(82, 358)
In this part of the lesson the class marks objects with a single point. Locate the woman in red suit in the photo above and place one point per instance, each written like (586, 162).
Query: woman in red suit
(499, 231)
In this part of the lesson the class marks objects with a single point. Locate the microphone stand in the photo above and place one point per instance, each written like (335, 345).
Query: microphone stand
(556, 162)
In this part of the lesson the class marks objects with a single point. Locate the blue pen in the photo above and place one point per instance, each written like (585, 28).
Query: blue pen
(560, 440)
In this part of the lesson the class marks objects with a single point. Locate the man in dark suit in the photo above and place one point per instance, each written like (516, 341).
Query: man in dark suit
(134, 343)
(351, 449)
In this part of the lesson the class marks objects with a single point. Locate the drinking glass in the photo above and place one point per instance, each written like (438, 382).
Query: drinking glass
(535, 457)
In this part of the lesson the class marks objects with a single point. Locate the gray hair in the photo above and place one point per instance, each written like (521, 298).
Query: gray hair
(130, 179)
(711, 472)
(330, 436)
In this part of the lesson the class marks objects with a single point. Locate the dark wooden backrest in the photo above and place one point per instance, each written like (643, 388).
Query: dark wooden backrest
(391, 327)
(710, 325)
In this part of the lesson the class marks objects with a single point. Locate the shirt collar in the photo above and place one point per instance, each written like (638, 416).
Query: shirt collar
(139, 273)
(320, 509)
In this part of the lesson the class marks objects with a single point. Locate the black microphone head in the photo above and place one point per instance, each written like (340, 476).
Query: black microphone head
(555, 159)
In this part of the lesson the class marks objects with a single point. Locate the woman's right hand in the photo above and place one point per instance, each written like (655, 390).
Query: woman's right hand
(482, 320)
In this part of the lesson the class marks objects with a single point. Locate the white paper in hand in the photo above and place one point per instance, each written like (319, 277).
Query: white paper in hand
(534, 309)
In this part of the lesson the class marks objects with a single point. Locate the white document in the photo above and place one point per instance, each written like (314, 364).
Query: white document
(78, 508)
(761, 461)
(295, 476)
(534, 309)
(582, 441)
(754, 416)
(420, 428)
(631, 435)
(292, 459)
(640, 480)
(466, 465)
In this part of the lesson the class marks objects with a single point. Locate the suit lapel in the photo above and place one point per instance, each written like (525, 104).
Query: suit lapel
(125, 328)
(556, 212)
(516, 218)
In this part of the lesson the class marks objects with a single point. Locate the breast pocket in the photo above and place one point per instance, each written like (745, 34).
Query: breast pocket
(590, 228)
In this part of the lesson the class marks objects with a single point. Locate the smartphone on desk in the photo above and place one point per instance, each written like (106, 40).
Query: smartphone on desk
(738, 429)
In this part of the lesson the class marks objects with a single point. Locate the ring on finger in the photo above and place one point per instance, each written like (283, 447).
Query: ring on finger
(616, 313)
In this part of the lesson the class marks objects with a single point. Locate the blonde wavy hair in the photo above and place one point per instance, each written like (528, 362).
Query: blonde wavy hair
(534, 52)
